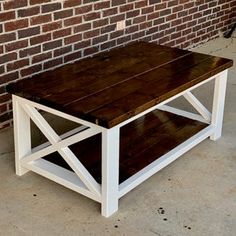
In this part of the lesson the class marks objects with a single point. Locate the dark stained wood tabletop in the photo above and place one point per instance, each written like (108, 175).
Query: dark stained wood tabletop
(111, 87)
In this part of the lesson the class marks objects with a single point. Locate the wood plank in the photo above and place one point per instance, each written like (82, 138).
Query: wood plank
(114, 86)
(142, 141)
(127, 90)
(123, 64)
(159, 86)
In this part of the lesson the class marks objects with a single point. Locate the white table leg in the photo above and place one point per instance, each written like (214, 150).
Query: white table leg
(218, 104)
(22, 136)
(110, 170)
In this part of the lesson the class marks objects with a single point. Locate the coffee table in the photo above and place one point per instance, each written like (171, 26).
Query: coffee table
(126, 130)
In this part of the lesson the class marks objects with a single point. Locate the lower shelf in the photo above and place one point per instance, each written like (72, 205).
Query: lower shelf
(141, 142)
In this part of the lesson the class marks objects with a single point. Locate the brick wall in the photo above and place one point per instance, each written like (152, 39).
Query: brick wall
(38, 35)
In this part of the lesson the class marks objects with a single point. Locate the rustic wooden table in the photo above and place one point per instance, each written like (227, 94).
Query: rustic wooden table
(127, 131)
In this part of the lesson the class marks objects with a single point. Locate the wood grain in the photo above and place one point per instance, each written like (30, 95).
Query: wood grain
(114, 86)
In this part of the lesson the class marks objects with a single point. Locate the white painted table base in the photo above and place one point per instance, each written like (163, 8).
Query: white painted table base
(81, 181)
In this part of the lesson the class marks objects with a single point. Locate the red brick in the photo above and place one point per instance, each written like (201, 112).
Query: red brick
(189, 5)
(28, 11)
(91, 50)
(52, 26)
(30, 51)
(140, 4)
(7, 37)
(73, 39)
(52, 63)
(139, 19)
(109, 44)
(147, 10)
(73, 21)
(153, 2)
(164, 40)
(117, 18)
(99, 23)
(31, 70)
(108, 29)
(100, 39)
(172, 3)
(176, 22)
(6, 16)
(72, 57)
(40, 39)
(171, 30)
(33, 2)
(16, 45)
(145, 25)
(17, 64)
(61, 33)
(7, 5)
(165, 12)
(193, 10)
(2, 91)
(5, 97)
(3, 108)
(40, 19)
(180, 40)
(161, 6)
(203, 7)
(41, 57)
(63, 14)
(127, 7)
(51, 7)
(171, 17)
(7, 78)
(8, 57)
(101, 5)
(131, 29)
(186, 32)
(82, 27)
(117, 2)
(15, 25)
(83, 9)
(92, 16)
(138, 35)
(153, 16)
(109, 12)
(91, 33)
(154, 29)
(82, 44)
(125, 39)
(62, 51)
(182, 13)
(132, 14)
(52, 45)
(72, 3)
(176, 35)
(2, 69)
(117, 34)
(28, 32)
(192, 23)
(164, 26)
(178, 8)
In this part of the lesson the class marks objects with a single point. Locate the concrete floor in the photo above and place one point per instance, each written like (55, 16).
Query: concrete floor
(195, 195)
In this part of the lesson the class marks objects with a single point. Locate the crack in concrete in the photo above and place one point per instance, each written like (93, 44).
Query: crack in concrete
(153, 231)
